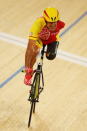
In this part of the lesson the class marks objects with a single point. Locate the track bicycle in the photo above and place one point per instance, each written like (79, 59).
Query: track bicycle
(36, 86)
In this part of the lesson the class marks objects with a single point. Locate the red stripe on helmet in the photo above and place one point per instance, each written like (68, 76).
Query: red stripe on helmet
(46, 14)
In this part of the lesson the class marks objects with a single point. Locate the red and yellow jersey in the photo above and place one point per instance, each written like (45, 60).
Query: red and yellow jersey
(38, 26)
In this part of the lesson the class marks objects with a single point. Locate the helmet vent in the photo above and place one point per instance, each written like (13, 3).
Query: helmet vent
(52, 18)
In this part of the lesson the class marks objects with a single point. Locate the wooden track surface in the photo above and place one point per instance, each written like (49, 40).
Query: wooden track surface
(63, 104)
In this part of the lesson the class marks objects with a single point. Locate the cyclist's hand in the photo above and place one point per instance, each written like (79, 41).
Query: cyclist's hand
(44, 34)
(28, 76)
(27, 79)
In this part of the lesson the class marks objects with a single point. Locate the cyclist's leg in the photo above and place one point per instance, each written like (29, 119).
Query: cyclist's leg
(52, 50)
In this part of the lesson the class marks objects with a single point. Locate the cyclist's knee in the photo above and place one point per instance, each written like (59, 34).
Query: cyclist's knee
(50, 56)
(52, 50)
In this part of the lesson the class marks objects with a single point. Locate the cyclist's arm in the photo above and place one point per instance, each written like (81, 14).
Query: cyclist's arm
(31, 51)
(34, 43)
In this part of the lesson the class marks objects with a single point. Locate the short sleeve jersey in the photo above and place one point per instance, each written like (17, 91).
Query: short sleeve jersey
(37, 27)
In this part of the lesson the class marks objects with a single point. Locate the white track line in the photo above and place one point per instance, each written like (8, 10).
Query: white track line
(61, 54)
(72, 58)
(13, 39)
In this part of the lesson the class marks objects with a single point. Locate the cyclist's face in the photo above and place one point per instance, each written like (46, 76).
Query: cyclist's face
(52, 25)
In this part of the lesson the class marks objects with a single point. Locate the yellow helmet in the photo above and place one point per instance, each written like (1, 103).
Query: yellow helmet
(51, 14)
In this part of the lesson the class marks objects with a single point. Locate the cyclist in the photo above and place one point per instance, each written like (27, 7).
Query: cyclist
(44, 31)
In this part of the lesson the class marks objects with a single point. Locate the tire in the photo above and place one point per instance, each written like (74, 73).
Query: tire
(34, 107)
(36, 96)
(37, 85)
(30, 115)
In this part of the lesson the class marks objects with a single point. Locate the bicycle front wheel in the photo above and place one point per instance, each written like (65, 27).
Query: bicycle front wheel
(34, 107)
(30, 115)
(36, 93)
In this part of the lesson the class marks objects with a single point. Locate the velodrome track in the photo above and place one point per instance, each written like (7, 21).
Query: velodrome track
(63, 104)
